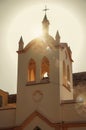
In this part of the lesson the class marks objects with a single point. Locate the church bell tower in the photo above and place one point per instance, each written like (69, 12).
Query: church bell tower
(44, 80)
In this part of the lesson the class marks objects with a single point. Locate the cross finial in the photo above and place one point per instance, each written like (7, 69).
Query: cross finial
(46, 9)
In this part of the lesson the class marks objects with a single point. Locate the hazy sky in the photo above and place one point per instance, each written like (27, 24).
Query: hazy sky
(23, 17)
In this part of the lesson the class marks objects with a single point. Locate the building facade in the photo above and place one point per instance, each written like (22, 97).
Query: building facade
(45, 88)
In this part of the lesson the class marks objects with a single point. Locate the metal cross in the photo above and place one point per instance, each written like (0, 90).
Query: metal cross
(46, 9)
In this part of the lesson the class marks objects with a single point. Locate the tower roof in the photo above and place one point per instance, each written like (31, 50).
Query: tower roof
(21, 40)
(21, 43)
(45, 20)
(45, 23)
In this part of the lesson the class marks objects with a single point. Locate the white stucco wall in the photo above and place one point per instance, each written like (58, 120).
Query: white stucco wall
(7, 118)
(49, 105)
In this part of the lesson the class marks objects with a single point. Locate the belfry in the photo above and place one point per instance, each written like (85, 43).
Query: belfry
(44, 87)
(44, 79)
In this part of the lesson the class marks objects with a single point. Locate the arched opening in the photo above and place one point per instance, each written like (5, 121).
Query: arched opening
(64, 74)
(68, 76)
(45, 68)
(37, 128)
(32, 70)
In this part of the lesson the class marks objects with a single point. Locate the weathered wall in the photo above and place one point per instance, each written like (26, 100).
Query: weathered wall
(73, 112)
(7, 118)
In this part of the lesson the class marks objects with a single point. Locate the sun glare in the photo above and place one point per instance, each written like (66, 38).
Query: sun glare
(28, 23)
(37, 32)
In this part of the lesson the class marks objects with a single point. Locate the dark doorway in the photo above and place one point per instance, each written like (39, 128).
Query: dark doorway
(37, 128)
(0, 101)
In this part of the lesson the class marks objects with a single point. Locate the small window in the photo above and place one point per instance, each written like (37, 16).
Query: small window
(45, 68)
(32, 70)
(64, 74)
(68, 76)
(68, 73)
